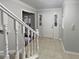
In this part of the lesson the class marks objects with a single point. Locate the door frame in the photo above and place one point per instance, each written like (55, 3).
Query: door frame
(23, 29)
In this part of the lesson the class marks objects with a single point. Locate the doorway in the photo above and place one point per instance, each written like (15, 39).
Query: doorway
(29, 19)
(50, 24)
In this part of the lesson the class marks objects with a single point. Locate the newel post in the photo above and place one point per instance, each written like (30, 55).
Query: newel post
(28, 53)
(32, 44)
(23, 53)
(16, 42)
(6, 42)
(23, 50)
(5, 28)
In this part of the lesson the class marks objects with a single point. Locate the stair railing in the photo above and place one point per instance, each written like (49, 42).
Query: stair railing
(32, 48)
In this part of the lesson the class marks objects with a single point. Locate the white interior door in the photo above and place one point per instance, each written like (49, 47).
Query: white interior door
(47, 29)
(56, 28)
(47, 24)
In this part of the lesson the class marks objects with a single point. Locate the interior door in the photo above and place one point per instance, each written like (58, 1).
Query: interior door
(48, 28)
(56, 26)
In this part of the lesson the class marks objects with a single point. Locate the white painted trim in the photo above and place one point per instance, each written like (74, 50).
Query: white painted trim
(69, 52)
(29, 12)
(45, 37)
(26, 11)
(33, 57)
(51, 38)
(10, 51)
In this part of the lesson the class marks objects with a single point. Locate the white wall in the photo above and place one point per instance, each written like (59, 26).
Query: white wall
(16, 7)
(71, 25)
(50, 12)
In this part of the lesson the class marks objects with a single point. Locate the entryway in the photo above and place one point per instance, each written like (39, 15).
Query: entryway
(50, 24)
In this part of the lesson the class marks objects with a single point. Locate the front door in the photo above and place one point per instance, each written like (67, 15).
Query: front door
(50, 25)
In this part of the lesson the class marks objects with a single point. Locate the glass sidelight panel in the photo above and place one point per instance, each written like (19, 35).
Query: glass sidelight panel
(40, 20)
(55, 23)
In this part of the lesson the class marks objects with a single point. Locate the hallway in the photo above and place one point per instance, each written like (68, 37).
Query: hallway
(53, 49)
(19, 33)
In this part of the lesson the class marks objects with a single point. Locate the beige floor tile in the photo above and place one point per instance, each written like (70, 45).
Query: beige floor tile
(53, 49)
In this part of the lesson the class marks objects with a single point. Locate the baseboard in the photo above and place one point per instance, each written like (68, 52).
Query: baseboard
(50, 38)
(69, 52)
(33, 57)
(46, 37)
(11, 52)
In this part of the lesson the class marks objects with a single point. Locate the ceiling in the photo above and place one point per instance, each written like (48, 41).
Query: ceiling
(44, 4)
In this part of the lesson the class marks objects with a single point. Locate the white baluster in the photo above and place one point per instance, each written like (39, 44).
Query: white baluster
(23, 50)
(16, 42)
(5, 26)
(37, 43)
(28, 53)
(32, 42)
(23, 53)
(6, 42)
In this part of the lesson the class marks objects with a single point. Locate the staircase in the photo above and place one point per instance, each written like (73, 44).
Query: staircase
(30, 51)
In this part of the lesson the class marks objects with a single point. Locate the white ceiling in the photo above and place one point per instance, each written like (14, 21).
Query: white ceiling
(44, 4)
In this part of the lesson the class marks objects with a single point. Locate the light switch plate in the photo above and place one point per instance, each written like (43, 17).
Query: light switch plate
(73, 27)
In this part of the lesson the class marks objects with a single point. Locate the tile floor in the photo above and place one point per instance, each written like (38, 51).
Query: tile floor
(53, 49)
